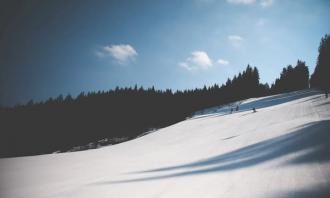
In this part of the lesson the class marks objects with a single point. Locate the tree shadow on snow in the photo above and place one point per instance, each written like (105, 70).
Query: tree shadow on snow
(314, 192)
(314, 136)
(323, 104)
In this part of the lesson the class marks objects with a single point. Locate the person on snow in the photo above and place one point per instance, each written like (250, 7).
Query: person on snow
(326, 93)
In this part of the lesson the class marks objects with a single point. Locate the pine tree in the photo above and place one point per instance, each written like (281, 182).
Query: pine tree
(321, 76)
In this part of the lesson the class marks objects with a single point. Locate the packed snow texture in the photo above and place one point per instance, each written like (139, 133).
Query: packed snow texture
(282, 150)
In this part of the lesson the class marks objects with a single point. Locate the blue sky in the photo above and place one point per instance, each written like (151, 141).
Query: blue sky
(49, 48)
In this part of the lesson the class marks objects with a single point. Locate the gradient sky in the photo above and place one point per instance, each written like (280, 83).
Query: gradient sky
(49, 48)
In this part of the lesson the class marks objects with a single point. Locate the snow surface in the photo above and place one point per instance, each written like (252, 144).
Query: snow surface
(282, 150)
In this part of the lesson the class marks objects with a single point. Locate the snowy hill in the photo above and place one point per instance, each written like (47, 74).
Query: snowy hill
(282, 150)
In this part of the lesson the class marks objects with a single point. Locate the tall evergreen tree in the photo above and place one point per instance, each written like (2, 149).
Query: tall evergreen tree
(292, 78)
(301, 76)
(321, 76)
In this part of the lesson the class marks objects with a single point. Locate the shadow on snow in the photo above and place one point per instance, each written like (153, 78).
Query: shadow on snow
(313, 136)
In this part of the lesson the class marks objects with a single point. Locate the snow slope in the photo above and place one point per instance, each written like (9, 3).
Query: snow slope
(283, 150)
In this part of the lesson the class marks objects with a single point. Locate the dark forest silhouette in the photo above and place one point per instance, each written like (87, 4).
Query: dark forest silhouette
(320, 78)
(65, 122)
(292, 79)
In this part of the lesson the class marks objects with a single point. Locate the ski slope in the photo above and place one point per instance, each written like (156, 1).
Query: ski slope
(282, 150)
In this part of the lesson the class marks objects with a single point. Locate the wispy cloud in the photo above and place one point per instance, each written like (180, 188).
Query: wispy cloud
(263, 3)
(223, 61)
(197, 60)
(235, 40)
(122, 53)
(246, 2)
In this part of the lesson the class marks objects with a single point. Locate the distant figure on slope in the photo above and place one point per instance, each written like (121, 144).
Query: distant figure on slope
(326, 93)
(237, 108)
(254, 110)
(231, 110)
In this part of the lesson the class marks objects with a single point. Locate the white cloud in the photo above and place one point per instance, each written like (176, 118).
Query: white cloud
(121, 53)
(235, 40)
(201, 59)
(186, 66)
(197, 60)
(223, 62)
(246, 2)
(266, 3)
(263, 3)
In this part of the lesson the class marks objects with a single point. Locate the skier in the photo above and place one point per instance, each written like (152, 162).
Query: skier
(237, 108)
(254, 110)
(231, 110)
(326, 93)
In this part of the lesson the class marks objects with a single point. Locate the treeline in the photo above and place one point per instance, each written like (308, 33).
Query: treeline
(296, 78)
(66, 122)
(321, 78)
(292, 79)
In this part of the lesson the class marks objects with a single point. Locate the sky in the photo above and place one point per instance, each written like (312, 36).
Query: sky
(49, 48)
